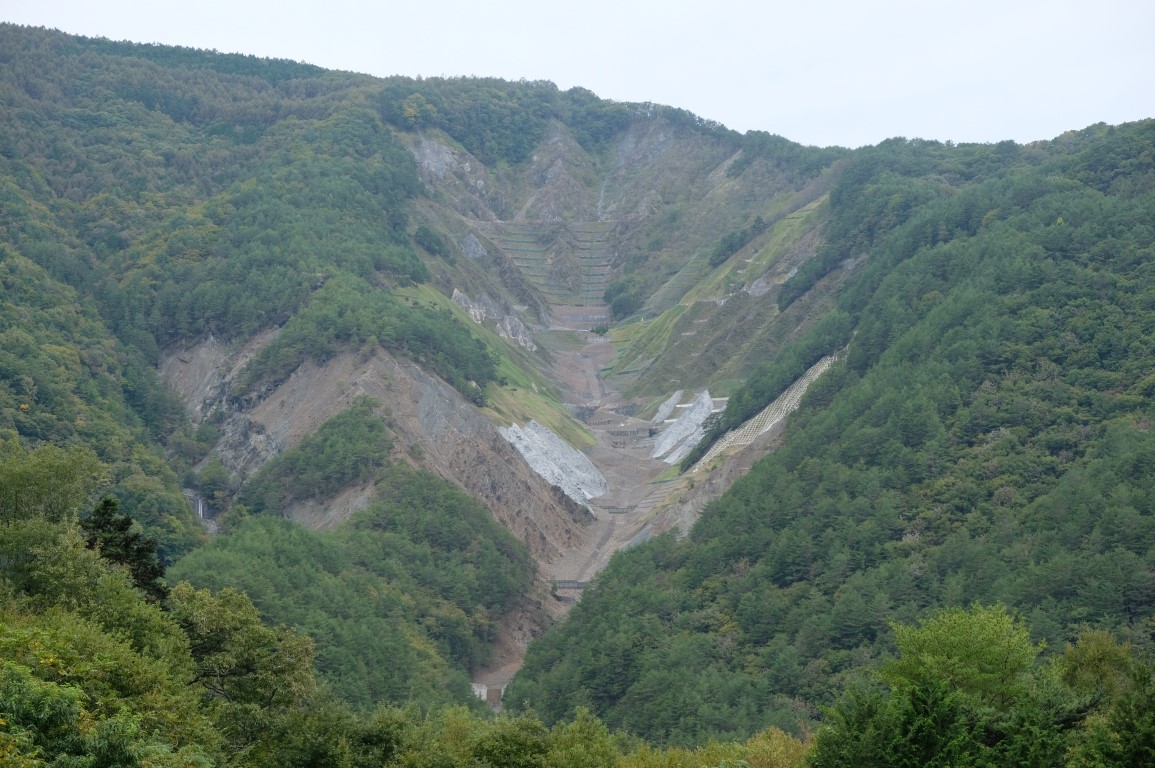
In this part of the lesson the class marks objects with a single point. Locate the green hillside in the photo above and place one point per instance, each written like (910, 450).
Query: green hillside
(948, 559)
(985, 440)
(154, 197)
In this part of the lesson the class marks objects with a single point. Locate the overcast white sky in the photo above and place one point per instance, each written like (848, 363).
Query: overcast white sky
(848, 72)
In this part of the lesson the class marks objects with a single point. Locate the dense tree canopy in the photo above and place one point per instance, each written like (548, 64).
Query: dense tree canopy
(985, 439)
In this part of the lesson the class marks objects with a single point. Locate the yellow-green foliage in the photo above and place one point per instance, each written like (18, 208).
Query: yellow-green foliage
(772, 748)
(654, 338)
(649, 340)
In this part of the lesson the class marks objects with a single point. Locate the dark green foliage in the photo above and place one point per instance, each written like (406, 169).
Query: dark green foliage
(47, 721)
(625, 296)
(272, 70)
(593, 121)
(923, 726)
(112, 534)
(495, 120)
(803, 161)
(986, 439)
(401, 602)
(880, 188)
(259, 249)
(502, 122)
(216, 485)
(431, 241)
(966, 690)
(499, 121)
(438, 340)
(1127, 734)
(64, 379)
(348, 449)
(733, 242)
(325, 732)
(420, 507)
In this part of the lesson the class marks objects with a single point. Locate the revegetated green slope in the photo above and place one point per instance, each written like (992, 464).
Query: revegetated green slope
(986, 439)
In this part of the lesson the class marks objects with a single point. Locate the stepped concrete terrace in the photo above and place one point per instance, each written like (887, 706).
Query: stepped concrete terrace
(568, 262)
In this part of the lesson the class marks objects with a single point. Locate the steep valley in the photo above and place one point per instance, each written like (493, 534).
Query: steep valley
(489, 382)
(546, 269)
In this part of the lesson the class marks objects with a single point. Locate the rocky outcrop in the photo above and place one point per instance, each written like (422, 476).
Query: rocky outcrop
(511, 327)
(433, 427)
(686, 431)
(562, 466)
(508, 326)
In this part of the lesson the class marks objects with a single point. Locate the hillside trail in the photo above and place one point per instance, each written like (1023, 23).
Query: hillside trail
(621, 454)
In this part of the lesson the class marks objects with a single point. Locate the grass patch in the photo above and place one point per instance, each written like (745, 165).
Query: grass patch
(525, 394)
(513, 404)
(653, 340)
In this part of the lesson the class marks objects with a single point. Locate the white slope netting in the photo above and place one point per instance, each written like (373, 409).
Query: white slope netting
(768, 416)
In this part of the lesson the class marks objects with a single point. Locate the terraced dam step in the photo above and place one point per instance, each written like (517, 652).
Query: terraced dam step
(569, 263)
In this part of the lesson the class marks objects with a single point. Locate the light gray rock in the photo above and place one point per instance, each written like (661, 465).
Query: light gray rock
(686, 425)
(666, 408)
(557, 462)
(473, 248)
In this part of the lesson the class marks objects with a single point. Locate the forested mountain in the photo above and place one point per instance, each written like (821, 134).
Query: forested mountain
(986, 439)
(301, 302)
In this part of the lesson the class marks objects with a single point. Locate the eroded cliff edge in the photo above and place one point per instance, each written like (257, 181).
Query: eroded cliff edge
(433, 426)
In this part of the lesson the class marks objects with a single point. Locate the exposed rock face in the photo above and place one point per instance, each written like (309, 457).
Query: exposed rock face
(686, 431)
(561, 466)
(508, 326)
(476, 311)
(428, 418)
(666, 408)
(473, 248)
(458, 175)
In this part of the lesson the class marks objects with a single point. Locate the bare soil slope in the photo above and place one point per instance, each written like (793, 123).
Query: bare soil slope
(433, 427)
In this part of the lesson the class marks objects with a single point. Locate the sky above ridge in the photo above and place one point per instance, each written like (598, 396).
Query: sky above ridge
(846, 72)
